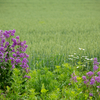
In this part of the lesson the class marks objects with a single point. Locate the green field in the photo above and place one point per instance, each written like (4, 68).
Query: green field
(53, 29)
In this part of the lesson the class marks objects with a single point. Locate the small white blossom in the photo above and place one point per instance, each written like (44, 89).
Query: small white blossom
(81, 49)
(88, 59)
(70, 55)
(77, 66)
(91, 59)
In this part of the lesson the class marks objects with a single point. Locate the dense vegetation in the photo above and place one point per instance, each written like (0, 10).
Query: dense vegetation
(56, 32)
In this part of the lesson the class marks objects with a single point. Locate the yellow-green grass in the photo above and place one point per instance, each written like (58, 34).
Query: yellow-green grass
(53, 29)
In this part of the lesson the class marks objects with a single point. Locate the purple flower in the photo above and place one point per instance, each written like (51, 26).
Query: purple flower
(17, 37)
(3, 40)
(95, 67)
(18, 60)
(26, 76)
(23, 49)
(14, 40)
(24, 60)
(18, 42)
(84, 77)
(6, 59)
(95, 59)
(12, 33)
(1, 48)
(17, 52)
(14, 44)
(90, 94)
(9, 31)
(1, 55)
(26, 55)
(24, 42)
(13, 66)
(99, 73)
(27, 70)
(74, 78)
(98, 86)
(7, 44)
(13, 50)
(26, 46)
(13, 30)
(85, 82)
(90, 73)
(97, 79)
(92, 81)
(21, 55)
(14, 55)
(95, 62)
(12, 60)
(7, 35)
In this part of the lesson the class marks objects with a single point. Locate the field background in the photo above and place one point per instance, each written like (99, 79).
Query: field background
(53, 29)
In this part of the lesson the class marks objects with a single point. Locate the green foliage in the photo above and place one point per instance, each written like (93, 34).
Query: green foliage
(5, 75)
(48, 85)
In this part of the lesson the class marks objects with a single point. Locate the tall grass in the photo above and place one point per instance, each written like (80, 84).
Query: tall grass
(54, 29)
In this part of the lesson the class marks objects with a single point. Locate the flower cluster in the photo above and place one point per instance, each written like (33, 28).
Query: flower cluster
(12, 49)
(73, 77)
(93, 78)
(95, 64)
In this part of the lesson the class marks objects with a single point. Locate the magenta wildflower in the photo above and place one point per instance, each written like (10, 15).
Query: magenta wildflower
(14, 55)
(24, 60)
(27, 70)
(90, 73)
(85, 82)
(84, 77)
(17, 37)
(7, 44)
(99, 73)
(1, 48)
(18, 60)
(74, 77)
(13, 66)
(26, 46)
(26, 76)
(14, 40)
(21, 55)
(90, 94)
(22, 44)
(97, 79)
(1, 55)
(95, 67)
(98, 86)
(9, 31)
(95, 59)
(92, 81)
(3, 40)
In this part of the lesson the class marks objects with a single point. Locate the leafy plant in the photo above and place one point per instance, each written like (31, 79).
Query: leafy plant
(11, 55)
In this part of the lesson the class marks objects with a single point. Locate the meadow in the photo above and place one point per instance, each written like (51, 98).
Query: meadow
(53, 30)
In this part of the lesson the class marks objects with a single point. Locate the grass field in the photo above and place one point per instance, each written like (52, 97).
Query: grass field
(53, 29)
